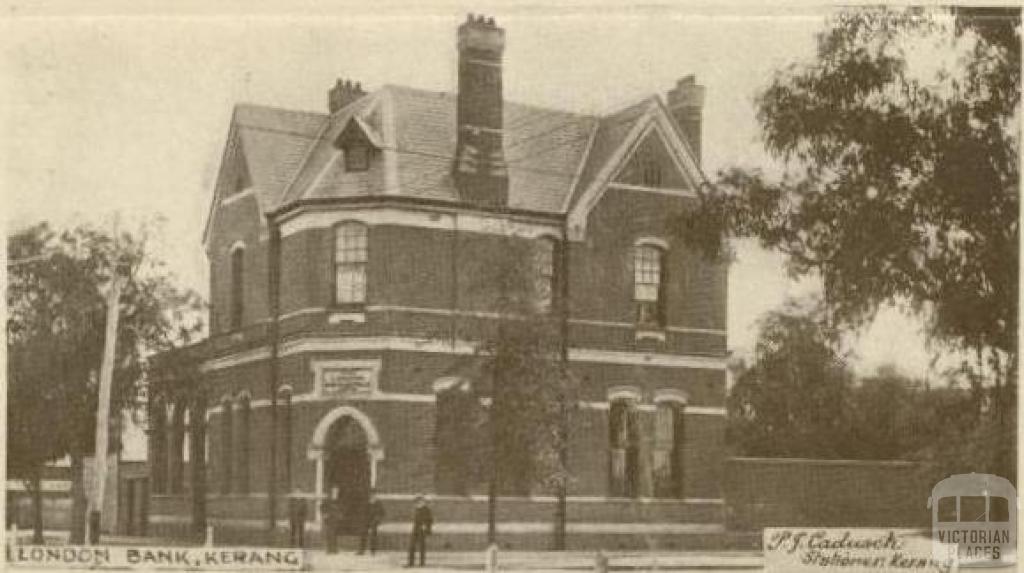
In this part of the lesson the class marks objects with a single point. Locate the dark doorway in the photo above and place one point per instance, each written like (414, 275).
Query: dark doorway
(347, 468)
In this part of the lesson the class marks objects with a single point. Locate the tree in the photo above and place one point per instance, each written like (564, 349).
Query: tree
(903, 180)
(799, 399)
(792, 402)
(55, 326)
(530, 386)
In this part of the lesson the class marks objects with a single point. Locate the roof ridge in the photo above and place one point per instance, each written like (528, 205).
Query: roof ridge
(277, 108)
(453, 95)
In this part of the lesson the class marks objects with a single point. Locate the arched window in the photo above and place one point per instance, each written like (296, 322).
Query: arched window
(284, 401)
(648, 284)
(227, 452)
(237, 287)
(624, 443)
(545, 261)
(668, 448)
(244, 444)
(455, 435)
(350, 263)
(177, 462)
(158, 446)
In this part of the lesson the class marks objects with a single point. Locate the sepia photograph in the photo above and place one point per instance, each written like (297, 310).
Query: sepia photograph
(508, 286)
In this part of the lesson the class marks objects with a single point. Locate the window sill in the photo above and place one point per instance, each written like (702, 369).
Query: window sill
(650, 333)
(339, 316)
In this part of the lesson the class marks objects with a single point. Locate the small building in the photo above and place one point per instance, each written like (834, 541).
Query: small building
(346, 250)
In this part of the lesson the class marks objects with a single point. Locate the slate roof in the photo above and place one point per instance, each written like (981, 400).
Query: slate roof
(291, 154)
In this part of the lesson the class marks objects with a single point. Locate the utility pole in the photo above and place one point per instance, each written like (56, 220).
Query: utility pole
(103, 409)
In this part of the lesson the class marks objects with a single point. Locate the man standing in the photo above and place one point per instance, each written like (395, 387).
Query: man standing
(330, 509)
(297, 518)
(422, 523)
(374, 514)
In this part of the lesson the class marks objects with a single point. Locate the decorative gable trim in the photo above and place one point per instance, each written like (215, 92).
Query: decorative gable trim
(232, 159)
(655, 119)
(235, 197)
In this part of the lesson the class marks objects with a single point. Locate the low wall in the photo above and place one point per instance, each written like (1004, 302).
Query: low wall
(767, 492)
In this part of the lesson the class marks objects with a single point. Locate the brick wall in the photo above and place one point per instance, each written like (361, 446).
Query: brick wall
(602, 266)
(764, 492)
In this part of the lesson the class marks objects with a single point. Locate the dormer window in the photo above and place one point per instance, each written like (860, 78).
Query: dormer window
(358, 143)
(357, 157)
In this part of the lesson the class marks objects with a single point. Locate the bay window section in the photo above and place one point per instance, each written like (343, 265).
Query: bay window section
(350, 257)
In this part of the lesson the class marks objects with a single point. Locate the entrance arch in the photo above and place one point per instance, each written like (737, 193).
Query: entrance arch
(346, 448)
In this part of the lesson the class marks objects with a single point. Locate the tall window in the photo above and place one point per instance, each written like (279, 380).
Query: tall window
(158, 446)
(624, 441)
(227, 453)
(455, 438)
(350, 263)
(177, 461)
(648, 285)
(284, 401)
(546, 277)
(237, 287)
(243, 444)
(668, 449)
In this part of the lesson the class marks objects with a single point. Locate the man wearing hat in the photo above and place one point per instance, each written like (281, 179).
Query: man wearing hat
(374, 514)
(422, 522)
(297, 518)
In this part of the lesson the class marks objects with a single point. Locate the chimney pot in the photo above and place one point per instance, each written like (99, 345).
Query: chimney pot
(343, 93)
(686, 103)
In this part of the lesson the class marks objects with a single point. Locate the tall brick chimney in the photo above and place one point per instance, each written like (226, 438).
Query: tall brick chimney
(686, 103)
(343, 93)
(479, 169)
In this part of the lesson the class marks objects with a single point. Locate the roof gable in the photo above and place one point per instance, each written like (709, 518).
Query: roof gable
(558, 162)
(643, 126)
(652, 165)
(264, 146)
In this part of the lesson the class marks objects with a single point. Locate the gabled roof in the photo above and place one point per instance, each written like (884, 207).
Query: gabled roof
(553, 156)
(270, 142)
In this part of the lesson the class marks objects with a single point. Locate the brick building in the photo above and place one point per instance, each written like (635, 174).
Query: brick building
(344, 248)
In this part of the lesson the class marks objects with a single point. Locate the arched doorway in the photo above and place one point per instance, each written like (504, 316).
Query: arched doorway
(347, 469)
(346, 448)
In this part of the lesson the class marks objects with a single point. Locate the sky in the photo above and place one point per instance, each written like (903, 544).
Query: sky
(128, 113)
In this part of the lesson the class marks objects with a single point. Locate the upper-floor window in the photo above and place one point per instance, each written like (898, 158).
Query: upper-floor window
(350, 263)
(357, 157)
(648, 284)
(650, 171)
(237, 287)
(546, 277)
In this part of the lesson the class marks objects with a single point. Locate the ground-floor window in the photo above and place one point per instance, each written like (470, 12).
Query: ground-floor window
(456, 438)
(158, 446)
(624, 442)
(243, 447)
(226, 461)
(668, 449)
(176, 462)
